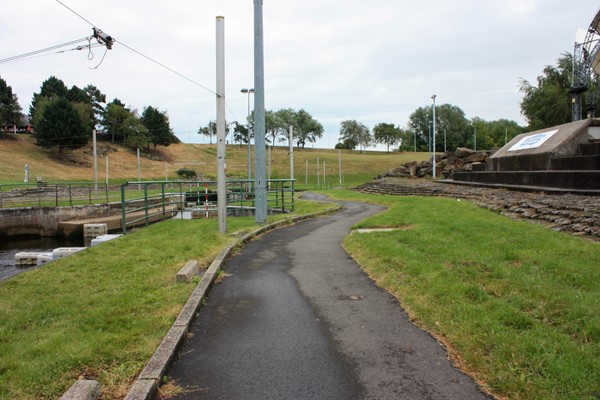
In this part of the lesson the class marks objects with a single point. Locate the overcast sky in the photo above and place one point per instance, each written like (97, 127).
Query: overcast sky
(373, 61)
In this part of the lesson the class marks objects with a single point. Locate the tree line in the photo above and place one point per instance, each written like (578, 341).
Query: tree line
(64, 117)
(545, 103)
(306, 129)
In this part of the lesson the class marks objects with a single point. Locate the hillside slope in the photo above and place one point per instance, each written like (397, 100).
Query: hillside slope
(77, 165)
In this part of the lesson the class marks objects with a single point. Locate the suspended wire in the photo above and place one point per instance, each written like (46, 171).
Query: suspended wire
(165, 67)
(37, 52)
(74, 12)
(101, 61)
(140, 53)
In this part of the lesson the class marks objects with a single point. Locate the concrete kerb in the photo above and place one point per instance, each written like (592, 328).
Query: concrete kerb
(150, 378)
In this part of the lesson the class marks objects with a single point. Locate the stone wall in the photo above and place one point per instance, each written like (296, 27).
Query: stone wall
(44, 221)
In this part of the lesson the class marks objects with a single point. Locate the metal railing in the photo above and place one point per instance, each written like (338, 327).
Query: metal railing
(145, 202)
(47, 194)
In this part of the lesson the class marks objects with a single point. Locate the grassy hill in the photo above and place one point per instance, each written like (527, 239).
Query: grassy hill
(77, 165)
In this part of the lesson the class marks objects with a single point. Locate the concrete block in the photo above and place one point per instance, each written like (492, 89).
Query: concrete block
(44, 258)
(94, 230)
(104, 238)
(26, 258)
(189, 270)
(161, 358)
(142, 389)
(83, 390)
(64, 251)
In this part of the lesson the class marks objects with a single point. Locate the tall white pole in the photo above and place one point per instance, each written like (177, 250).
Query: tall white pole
(221, 148)
(95, 160)
(106, 175)
(291, 152)
(259, 116)
(433, 134)
(324, 175)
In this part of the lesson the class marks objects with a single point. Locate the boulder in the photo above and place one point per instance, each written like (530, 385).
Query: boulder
(463, 152)
(477, 157)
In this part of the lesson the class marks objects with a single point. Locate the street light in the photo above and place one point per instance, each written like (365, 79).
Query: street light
(249, 92)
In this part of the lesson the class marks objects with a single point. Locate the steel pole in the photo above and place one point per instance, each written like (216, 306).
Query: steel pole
(221, 150)
(259, 116)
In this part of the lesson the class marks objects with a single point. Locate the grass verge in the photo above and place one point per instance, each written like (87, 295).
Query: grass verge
(516, 303)
(101, 313)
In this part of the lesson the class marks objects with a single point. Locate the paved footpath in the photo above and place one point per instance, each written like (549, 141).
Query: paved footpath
(298, 319)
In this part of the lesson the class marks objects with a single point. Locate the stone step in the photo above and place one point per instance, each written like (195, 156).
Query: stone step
(589, 149)
(576, 180)
(587, 162)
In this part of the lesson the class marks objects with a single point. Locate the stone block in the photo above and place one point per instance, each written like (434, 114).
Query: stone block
(44, 258)
(83, 390)
(26, 258)
(64, 251)
(189, 270)
(94, 230)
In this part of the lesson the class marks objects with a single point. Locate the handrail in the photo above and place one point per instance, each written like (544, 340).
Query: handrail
(172, 198)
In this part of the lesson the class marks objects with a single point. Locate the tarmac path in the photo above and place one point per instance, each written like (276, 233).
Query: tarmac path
(297, 318)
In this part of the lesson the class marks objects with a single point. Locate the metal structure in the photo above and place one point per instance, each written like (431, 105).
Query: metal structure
(260, 167)
(586, 64)
(159, 200)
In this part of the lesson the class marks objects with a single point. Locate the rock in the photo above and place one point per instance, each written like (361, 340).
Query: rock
(399, 171)
(477, 157)
(463, 152)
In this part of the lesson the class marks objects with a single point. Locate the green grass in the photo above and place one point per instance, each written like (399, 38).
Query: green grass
(517, 303)
(101, 313)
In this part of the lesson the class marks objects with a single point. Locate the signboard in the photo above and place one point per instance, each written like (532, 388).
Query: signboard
(532, 141)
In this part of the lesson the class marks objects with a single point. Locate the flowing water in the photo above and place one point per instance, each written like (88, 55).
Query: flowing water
(11, 246)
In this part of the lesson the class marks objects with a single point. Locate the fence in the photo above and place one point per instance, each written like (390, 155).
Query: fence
(146, 202)
(57, 194)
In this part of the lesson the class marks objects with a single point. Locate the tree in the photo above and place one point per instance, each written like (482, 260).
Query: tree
(449, 120)
(549, 102)
(240, 133)
(354, 133)
(51, 87)
(306, 128)
(60, 125)
(386, 134)
(136, 134)
(98, 99)
(114, 119)
(210, 130)
(10, 109)
(159, 130)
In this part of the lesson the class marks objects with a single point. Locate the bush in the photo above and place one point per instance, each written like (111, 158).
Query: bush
(186, 173)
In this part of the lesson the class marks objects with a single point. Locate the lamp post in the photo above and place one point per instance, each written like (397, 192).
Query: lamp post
(249, 92)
